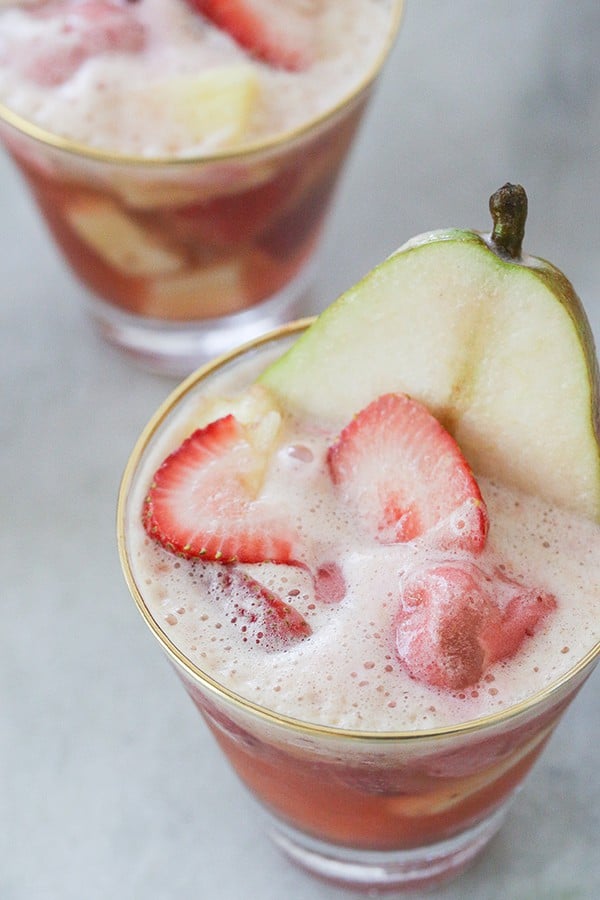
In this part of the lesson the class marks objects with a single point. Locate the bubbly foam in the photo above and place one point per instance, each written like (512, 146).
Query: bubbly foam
(106, 102)
(347, 674)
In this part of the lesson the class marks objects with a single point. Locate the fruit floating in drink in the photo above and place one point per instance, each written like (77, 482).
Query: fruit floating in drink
(370, 546)
(184, 153)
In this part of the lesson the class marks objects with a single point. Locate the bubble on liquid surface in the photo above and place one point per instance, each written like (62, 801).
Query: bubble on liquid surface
(301, 453)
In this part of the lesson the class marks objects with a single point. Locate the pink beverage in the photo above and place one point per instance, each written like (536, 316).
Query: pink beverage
(385, 760)
(184, 157)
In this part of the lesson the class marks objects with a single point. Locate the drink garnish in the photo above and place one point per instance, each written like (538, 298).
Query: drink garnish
(406, 476)
(202, 502)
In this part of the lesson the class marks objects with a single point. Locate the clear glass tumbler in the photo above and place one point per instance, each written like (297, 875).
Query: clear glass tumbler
(187, 258)
(373, 811)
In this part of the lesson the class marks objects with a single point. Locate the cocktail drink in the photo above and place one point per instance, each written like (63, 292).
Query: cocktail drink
(185, 158)
(381, 641)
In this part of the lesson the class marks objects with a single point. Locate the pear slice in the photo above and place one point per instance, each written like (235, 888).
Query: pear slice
(495, 343)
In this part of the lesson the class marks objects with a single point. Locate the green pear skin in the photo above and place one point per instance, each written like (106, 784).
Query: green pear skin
(495, 343)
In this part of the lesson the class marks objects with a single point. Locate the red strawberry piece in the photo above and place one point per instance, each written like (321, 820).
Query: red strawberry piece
(522, 611)
(455, 621)
(443, 627)
(330, 586)
(281, 34)
(232, 220)
(288, 234)
(202, 500)
(87, 29)
(406, 476)
(262, 617)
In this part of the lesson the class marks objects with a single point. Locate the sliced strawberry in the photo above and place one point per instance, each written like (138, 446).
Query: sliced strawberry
(455, 621)
(262, 616)
(405, 476)
(282, 34)
(202, 500)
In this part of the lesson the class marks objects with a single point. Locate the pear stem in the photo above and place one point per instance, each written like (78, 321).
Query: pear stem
(508, 207)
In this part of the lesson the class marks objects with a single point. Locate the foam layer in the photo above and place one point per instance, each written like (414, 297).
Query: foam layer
(109, 100)
(347, 674)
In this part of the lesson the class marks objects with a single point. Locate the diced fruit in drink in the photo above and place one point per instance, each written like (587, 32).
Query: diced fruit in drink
(264, 275)
(231, 220)
(445, 625)
(291, 234)
(88, 29)
(329, 583)
(496, 345)
(455, 791)
(203, 501)
(283, 34)
(118, 240)
(218, 288)
(455, 621)
(279, 210)
(523, 610)
(262, 617)
(215, 289)
(405, 476)
(288, 232)
(253, 408)
(145, 193)
(214, 105)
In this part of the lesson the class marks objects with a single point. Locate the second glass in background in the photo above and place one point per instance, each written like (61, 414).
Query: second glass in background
(186, 258)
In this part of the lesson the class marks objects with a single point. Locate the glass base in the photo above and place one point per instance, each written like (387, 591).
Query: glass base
(375, 872)
(178, 348)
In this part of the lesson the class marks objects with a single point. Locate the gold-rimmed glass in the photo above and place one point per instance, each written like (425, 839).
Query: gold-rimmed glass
(184, 258)
(368, 810)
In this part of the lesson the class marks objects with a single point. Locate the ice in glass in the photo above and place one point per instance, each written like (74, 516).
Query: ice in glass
(184, 154)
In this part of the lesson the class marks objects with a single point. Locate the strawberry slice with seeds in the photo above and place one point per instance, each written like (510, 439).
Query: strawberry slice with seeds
(406, 476)
(281, 34)
(203, 501)
(262, 617)
(455, 621)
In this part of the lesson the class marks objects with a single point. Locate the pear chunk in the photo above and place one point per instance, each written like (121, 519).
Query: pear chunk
(120, 241)
(214, 106)
(495, 343)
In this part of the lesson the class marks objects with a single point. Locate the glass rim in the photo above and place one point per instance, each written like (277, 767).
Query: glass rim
(198, 675)
(96, 154)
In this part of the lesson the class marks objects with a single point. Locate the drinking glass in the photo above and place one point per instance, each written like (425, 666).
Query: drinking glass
(367, 810)
(186, 258)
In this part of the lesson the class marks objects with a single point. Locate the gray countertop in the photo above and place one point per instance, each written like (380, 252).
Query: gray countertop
(111, 786)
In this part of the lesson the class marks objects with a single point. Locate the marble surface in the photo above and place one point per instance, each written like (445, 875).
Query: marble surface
(111, 786)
